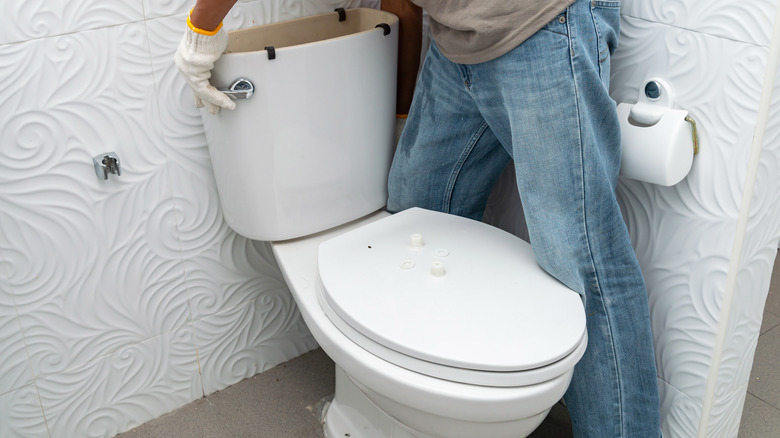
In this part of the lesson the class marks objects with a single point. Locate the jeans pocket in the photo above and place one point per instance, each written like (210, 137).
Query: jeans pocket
(606, 21)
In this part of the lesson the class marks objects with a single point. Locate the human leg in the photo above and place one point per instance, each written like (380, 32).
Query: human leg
(447, 158)
(549, 99)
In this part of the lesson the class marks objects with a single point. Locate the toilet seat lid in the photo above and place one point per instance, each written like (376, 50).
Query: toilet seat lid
(492, 309)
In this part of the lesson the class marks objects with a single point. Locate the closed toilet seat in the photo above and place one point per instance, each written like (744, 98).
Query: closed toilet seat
(451, 298)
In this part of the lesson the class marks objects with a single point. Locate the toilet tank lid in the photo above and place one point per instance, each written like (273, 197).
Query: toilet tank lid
(451, 291)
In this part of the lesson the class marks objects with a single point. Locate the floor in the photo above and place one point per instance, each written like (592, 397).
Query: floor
(286, 401)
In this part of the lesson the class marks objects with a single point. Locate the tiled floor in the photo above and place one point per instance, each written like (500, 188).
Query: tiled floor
(285, 401)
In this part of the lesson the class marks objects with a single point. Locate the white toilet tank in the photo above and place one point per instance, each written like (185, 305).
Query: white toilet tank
(311, 148)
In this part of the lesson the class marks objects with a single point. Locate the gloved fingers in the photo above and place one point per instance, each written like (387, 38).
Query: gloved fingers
(207, 96)
(213, 109)
(198, 100)
(195, 58)
(216, 97)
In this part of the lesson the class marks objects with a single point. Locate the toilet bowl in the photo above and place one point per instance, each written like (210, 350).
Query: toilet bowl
(439, 326)
(477, 351)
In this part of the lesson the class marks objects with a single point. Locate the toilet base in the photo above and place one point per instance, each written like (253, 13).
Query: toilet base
(353, 414)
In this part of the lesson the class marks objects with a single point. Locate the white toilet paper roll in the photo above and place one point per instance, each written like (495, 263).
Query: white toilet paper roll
(661, 153)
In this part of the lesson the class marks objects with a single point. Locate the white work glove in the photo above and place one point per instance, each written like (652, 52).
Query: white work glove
(195, 58)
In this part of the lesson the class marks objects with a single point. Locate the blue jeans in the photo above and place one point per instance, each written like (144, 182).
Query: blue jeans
(546, 106)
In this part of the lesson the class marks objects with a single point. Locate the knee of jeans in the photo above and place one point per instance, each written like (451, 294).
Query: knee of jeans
(396, 200)
(562, 268)
(402, 196)
(393, 206)
(400, 203)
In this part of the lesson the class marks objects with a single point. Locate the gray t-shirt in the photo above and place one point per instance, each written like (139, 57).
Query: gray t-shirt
(473, 31)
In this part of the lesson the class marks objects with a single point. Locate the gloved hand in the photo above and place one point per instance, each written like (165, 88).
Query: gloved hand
(195, 58)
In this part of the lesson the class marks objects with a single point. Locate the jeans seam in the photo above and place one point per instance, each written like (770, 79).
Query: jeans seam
(605, 4)
(459, 165)
(598, 39)
(607, 318)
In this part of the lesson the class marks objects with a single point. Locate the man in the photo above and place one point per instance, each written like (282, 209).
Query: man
(521, 80)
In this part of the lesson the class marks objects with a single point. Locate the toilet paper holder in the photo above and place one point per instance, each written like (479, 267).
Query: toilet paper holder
(658, 141)
(658, 98)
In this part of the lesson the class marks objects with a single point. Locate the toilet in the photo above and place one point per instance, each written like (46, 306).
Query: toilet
(439, 326)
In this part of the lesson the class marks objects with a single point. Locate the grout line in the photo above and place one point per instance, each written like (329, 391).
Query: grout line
(765, 402)
(223, 421)
(43, 411)
(157, 73)
(143, 19)
(776, 327)
(769, 329)
(700, 32)
(73, 32)
(5, 278)
(157, 78)
(197, 360)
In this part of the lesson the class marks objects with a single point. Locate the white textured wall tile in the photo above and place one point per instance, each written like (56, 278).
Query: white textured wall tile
(15, 369)
(21, 415)
(245, 340)
(70, 97)
(161, 8)
(15, 364)
(681, 413)
(745, 21)
(235, 272)
(183, 129)
(684, 308)
(223, 269)
(726, 414)
(95, 264)
(255, 13)
(129, 387)
(766, 203)
(269, 10)
(684, 235)
(758, 257)
(245, 13)
(745, 317)
(22, 20)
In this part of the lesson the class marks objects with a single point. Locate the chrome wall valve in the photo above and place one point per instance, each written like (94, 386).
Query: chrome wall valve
(106, 163)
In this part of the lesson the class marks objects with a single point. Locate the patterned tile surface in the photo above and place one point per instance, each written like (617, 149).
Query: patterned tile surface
(124, 299)
(105, 284)
(747, 22)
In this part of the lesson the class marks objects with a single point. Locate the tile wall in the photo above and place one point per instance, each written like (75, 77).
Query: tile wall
(706, 250)
(121, 299)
